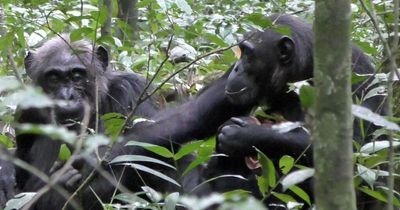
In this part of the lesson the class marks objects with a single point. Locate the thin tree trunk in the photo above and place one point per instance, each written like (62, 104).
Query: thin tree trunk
(128, 13)
(333, 123)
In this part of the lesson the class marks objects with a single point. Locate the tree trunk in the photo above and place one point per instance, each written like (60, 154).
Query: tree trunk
(333, 122)
(128, 13)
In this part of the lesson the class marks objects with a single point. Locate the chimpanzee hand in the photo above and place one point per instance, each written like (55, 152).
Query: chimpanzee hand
(7, 182)
(238, 136)
(71, 178)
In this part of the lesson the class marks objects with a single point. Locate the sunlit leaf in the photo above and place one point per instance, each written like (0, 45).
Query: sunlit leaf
(152, 194)
(113, 123)
(297, 177)
(286, 163)
(366, 114)
(170, 201)
(139, 158)
(54, 132)
(307, 96)
(268, 168)
(64, 153)
(184, 6)
(159, 150)
(152, 172)
(19, 200)
(187, 149)
(376, 146)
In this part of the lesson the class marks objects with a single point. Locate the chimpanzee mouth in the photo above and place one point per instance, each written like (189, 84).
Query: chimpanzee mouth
(69, 110)
(235, 93)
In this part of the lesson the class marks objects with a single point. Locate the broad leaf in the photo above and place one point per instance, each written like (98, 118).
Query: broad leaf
(153, 172)
(139, 158)
(297, 177)
(159, 150)
(376, 146)
(376, 119)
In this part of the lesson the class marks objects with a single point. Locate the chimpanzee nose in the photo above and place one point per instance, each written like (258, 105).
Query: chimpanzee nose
(66, 94)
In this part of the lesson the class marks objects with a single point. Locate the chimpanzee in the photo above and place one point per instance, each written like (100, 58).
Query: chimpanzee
(68, 71)
(7, 179)
(269, 61)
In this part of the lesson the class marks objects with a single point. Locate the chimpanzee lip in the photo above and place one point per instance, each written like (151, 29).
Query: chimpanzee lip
(233, 93)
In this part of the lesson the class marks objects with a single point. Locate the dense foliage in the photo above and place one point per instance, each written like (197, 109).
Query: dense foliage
(206, 32)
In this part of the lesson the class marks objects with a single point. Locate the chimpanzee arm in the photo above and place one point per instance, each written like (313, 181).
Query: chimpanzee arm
(195, 119)
(7, 179)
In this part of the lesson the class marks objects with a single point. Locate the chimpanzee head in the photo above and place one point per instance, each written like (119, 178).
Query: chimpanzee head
(269, 60)
(67, 71)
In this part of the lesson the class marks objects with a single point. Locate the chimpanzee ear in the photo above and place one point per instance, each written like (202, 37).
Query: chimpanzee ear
(102, 55)
(28, 63)
(286, 49)
(246, 47)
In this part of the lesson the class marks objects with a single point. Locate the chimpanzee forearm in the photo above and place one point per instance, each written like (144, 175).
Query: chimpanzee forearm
(195, 119)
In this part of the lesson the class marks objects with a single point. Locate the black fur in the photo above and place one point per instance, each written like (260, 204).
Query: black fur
(268, 62)
(67, 71)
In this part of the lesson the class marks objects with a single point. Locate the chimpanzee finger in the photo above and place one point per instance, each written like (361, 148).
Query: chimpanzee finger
(73, 181)
(239, 121)
(78, 162)
(56, 166)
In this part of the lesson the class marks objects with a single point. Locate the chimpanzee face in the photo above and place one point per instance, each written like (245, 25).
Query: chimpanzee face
(261, 67)
(67, 76)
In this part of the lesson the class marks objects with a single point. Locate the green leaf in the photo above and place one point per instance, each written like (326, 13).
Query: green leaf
(283, 30)
(64, 153)
(216, 39)
(366, 114)
(170, 201)
(139, 158)
(159, 150)
(113, 123)
(102, 18)
(57, 25)
(357, 78)
(286, 163)
(300, 192)
(184, 6)
(207, 148)
(375, 146)
(153, 172)
(283, 197)
(307, 96)
(80, 33)
(199, 160)
(4, 140)
(187, 149)
(375, 194)
(262, 184)
(268, 168)
(259, 19)
(297, 177)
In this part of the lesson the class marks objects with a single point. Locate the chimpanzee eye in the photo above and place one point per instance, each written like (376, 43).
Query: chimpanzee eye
(52, 77)
(78, 75)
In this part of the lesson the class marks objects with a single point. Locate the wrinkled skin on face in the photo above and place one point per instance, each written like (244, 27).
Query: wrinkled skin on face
(261, 67)
(68, 76)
